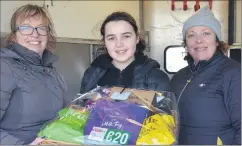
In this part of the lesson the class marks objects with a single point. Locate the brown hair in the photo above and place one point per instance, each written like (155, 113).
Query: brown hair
(117, 16)
(27, 11)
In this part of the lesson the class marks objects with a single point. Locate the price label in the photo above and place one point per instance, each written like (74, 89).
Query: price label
(97, 134)
(117, 136)
(122, 96)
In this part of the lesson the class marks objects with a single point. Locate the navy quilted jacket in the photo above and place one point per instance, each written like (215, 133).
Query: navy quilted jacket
(209, 101)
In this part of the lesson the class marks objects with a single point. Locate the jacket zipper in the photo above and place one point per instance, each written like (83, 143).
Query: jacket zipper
(188, 81)
(120, 77)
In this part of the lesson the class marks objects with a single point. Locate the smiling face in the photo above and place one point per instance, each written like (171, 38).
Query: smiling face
(120, 41)
(201, 43)
(34, 41)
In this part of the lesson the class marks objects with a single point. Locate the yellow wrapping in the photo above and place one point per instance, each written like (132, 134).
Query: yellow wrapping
(219, 141)
(157, 130)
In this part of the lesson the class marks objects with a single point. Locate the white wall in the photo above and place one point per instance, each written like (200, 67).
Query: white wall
(238, 21)
(82, 19)
(7, 10)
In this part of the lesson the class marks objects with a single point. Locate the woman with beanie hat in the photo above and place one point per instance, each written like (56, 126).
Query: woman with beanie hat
(208, 90)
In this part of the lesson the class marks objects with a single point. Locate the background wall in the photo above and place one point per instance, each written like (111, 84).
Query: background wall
(8, 8)
(238, 21)
(74, 58)
(82, 19)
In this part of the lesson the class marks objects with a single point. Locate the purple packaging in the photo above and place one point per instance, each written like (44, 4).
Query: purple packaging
(116, 116)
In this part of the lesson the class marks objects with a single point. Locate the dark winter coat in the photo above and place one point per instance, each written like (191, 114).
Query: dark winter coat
(31, 93)
(209, 101)
(143, 73)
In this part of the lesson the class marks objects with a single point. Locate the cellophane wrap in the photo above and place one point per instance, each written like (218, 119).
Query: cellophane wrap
(115, 116)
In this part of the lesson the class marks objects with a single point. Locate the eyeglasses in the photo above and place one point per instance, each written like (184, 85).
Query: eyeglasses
(28, 30)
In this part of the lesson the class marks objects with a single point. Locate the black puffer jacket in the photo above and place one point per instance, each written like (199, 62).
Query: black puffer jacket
(209, 101)
(145, 74)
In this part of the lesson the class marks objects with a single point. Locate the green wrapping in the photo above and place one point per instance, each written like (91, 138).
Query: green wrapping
(68, 127)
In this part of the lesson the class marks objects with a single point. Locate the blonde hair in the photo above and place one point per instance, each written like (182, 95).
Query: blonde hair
(27, 11)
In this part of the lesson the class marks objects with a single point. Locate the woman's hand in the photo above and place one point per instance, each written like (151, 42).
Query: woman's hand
(37, 141)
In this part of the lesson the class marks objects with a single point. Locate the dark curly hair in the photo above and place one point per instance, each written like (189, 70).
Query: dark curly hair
(117, 16)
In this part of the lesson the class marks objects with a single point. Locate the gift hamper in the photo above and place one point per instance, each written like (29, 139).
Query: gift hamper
(115, 116)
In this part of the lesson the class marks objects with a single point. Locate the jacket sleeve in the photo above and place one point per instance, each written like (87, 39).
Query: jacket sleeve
(161, 80)
(232, 100)
(172, 83)
(8, 84)
(85, 79)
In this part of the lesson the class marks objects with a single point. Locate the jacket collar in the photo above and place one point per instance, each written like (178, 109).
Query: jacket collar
(32, 57)
(204, 63)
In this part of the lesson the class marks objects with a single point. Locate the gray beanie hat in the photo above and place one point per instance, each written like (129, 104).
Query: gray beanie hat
(203, 17)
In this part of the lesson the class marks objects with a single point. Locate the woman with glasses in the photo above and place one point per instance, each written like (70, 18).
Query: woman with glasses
(31, 89)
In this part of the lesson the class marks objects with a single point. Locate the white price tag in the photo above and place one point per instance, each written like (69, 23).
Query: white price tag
(122, 96)
(97, 134)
